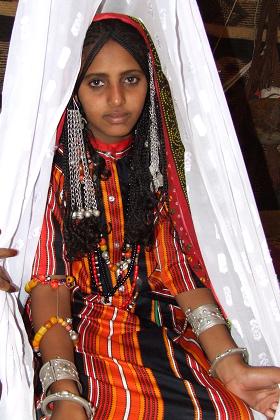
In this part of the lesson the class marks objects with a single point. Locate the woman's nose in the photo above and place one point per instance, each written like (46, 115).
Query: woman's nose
(116, 95)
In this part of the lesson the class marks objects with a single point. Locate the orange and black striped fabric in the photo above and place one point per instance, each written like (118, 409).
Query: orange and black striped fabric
(139, 363)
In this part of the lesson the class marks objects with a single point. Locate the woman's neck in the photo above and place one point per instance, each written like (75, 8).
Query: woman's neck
(115, 150)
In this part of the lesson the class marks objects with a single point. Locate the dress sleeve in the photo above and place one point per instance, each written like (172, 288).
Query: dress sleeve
(50, 255)
(175, 272)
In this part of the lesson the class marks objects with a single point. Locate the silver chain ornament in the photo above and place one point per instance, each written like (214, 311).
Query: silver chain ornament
(153, 133)
(80, 206)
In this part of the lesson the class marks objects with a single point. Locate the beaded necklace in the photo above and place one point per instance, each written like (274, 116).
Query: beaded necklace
(99, 260)
(126, 268)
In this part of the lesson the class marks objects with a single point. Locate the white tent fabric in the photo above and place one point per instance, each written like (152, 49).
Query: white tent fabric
(42, 67)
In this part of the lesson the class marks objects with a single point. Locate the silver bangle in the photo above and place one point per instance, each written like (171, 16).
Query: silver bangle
(56, 370)
(229, 352)
(204, 317)
(68, 396)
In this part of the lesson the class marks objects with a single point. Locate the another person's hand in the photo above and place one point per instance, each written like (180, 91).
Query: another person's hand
(5, 281)
(258, 387)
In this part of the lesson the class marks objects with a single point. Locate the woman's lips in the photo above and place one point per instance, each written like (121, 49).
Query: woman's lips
(117, 118)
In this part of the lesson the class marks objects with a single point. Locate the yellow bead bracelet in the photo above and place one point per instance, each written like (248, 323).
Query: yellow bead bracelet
(53, 320)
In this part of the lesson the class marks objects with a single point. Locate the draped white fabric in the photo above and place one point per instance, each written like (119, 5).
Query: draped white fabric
(42, 67)
(44, 60)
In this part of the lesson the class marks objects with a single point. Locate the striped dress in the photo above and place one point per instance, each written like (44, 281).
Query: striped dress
(135, 363)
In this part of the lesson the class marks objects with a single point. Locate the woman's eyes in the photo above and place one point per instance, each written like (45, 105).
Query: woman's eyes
(130, 80)
(96, 83)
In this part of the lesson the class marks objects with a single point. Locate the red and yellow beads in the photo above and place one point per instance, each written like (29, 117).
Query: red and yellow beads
(53, 320)
(52, 281)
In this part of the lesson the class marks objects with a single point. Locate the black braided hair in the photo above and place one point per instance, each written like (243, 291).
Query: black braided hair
(82, 237)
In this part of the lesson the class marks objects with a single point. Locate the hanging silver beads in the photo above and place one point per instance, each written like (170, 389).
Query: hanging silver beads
(157, 176)
(83, 200)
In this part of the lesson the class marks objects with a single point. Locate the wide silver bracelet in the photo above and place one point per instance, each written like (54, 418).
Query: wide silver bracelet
(229, 352)
(56, 370)
(67, 396)
(204, 317)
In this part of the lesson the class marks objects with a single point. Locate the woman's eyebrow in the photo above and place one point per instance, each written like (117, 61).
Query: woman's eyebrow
(97, 74)
(90, 75)
(132, 71)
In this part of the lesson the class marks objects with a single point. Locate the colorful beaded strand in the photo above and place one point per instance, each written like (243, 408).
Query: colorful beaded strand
(53, 282)
(52, 321)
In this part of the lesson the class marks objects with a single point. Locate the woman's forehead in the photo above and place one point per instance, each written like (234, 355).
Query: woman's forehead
(100, 32)
(112, 57)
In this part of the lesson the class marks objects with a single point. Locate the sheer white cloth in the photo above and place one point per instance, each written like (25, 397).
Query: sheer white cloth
(42, 67)
(44, 60)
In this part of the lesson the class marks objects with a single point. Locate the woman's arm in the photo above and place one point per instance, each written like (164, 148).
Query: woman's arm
(258, 387)
(45, 303)
(56, 343)
(215, 340)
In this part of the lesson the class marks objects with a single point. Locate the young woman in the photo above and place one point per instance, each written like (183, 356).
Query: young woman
(117, 272)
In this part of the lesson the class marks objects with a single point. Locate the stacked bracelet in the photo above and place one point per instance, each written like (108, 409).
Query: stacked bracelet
(229, 352)
(53, 320)
(68, 396)
(56, 370)
(204, 317)
(52, 281)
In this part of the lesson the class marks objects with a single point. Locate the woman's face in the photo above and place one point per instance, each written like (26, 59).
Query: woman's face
(113, 93)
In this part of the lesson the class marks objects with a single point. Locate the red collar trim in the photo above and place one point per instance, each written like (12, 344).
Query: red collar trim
(113, 150)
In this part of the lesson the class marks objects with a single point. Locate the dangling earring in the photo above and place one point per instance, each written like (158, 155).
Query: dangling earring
(157, 178)
(83, 200)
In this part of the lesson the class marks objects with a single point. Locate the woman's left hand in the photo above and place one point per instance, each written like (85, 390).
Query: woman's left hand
(258, 387)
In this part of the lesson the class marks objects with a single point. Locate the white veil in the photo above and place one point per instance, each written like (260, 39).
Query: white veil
(42, 67)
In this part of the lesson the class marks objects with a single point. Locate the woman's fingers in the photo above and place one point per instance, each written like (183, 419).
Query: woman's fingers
(270, 413)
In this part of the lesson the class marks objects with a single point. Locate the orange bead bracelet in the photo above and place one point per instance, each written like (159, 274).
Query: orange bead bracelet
(53, 320)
